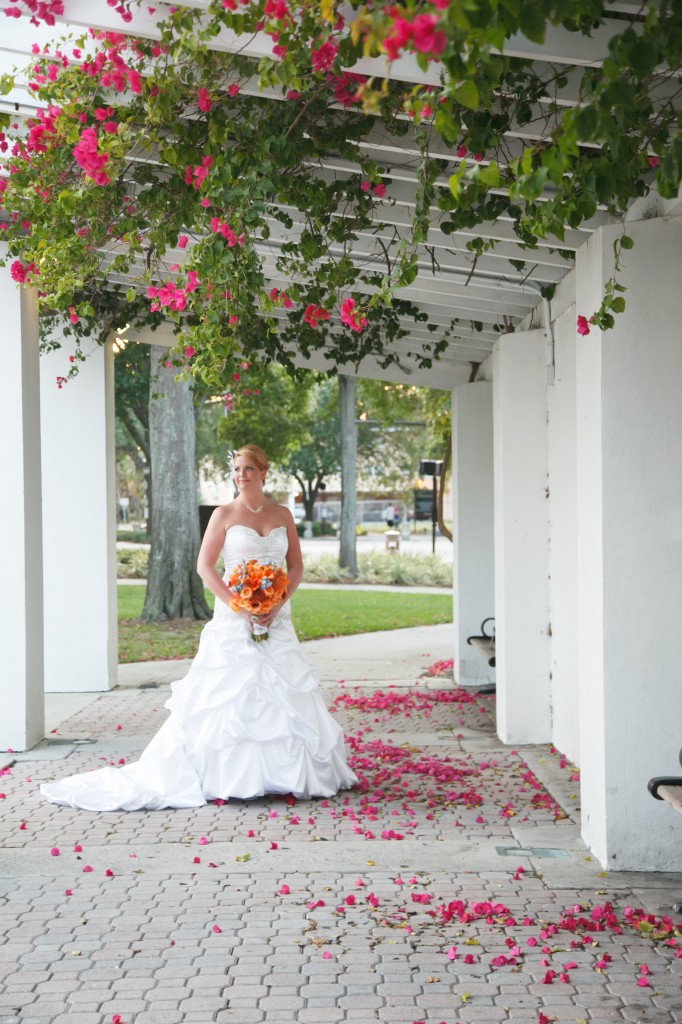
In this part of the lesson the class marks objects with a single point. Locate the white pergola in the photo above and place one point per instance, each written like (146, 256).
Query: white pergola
(568, 493)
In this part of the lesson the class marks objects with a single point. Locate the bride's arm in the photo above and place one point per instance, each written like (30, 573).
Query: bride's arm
(294, 559)
(210, 549)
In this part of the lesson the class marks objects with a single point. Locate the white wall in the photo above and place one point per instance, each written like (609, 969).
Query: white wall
(473, 527)
(563, 544)
(630, 548)
(79, 531)
(521, 538)
(21, 576)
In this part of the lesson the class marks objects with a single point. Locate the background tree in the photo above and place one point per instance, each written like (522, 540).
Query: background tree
(317, 454)
(174, 589)
(349, 451)
(131, 383)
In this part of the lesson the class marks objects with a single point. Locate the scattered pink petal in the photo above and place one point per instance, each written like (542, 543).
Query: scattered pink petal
(54, 852)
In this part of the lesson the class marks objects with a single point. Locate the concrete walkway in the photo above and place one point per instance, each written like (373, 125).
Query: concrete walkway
(452, 886)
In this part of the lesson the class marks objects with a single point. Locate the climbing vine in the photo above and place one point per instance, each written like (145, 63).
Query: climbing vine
(240, 197)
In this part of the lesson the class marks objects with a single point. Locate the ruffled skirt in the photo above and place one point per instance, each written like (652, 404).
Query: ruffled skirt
(248, 719)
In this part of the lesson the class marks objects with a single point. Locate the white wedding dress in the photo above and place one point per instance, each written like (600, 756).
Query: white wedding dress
(248, 719)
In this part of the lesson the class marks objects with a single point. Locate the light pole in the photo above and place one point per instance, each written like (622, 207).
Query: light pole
(432, 468)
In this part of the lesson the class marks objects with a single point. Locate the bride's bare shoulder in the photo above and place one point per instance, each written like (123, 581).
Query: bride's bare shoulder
(222, 515)
(284, 513)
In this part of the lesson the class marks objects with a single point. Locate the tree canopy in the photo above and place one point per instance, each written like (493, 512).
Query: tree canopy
(193, 177)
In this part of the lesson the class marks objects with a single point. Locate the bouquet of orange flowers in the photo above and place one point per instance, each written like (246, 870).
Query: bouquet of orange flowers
(258, 587)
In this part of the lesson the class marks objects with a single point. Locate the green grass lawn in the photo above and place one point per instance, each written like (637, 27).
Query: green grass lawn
(316, 613)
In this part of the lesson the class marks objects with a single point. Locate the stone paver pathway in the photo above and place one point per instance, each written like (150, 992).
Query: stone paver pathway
(452, 886)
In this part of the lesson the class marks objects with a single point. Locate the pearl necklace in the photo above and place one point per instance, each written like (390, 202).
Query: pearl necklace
(259, 509)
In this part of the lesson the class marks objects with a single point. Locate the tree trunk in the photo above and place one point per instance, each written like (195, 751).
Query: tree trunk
(447, 457)
(174, 589)
(349, 450)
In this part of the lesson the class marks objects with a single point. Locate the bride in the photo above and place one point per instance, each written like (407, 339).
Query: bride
(249, 718)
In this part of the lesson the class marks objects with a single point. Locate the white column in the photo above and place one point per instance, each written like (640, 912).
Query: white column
(521, 538)
(473, 538)
(79, 529)
(21, 571)
(630, 548)
(563, 547)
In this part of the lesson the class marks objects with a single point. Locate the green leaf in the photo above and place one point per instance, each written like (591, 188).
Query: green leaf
(617, 304)
(586, 123)
(467, 94)
(532, 22)
(130, 294)
(644, 56)
(490, 175)
(626, 242)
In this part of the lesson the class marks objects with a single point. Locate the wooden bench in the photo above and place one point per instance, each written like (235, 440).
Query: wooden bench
(485, 642)
(668, 788)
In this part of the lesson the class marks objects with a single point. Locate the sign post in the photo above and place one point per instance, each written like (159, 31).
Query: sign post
(432, 468)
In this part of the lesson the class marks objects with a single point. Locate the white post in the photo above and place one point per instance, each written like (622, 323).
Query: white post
(79, 529)
(22, 722)
(521, 538)
(630, 548)
(473, 535)
(563, 547)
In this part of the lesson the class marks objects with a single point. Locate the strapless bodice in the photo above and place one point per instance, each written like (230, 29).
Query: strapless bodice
(243, 542)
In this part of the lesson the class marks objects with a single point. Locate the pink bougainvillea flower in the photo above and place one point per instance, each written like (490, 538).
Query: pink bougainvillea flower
(68, 892)
(217, 929)
(379, 190)
(326, 955)
(284, 890)
(204, 101)
(109, 873)
(583, 326)
(654, 161)
(322, 58)
(197, 860)
(202, 841)
(182, 241)
(54, 852)
(87, 869)
(351, 316)
(116, 1019)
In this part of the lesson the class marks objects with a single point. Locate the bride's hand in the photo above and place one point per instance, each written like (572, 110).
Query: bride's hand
(267, 618)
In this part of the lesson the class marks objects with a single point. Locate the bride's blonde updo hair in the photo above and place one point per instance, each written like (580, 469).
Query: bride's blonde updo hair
(253, 452)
